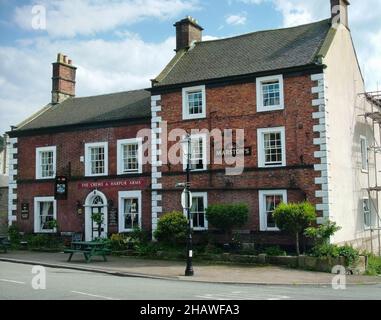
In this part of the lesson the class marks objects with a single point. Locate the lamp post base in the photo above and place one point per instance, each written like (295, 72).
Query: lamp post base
(189, 272)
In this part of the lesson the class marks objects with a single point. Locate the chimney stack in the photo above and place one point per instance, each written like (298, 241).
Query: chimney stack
(64, 74)
(187, 31)
(339, 12)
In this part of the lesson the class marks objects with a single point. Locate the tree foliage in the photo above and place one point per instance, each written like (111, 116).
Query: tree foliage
(227, 216)
(294, 218)
(172, 228)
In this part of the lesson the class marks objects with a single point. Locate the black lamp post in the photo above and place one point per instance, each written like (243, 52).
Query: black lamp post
(189, 269)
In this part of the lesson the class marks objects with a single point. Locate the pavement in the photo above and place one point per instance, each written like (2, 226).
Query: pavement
(174, 270)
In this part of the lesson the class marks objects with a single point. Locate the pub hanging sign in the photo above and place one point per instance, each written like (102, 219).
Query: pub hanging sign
(60, 192)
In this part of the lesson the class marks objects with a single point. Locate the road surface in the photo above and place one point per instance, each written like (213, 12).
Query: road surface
(61, 284)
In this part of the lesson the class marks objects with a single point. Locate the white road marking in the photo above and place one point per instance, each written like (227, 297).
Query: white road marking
(242, 296)
(12, 281)
(93, 295)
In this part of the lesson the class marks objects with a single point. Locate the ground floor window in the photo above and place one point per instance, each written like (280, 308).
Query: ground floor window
(45, 211)
(130, 210)
(198, 209)
(268, 201)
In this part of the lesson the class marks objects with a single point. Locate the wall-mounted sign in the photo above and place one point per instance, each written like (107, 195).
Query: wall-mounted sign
(131, 184)
(113, 217)
(246, 151)
(25, 211)
(60, 192)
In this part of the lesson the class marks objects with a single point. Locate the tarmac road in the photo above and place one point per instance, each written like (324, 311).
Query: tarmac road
(63, 284)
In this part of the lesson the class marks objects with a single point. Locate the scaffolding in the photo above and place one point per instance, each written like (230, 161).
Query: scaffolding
(374, 99)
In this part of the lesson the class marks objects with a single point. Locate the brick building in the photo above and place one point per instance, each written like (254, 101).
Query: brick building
(297, 94)
(93, 143)
(288, 99)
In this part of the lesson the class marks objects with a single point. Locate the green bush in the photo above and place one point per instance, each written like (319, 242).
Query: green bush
(323, 233)
(128, 241)
(294, 218)
(14, 235)
(275, 251)
(225, 217)
(43, 241)
(172, 228)
(350, 254)
(331, 250)
(374, 266)
(325, 250)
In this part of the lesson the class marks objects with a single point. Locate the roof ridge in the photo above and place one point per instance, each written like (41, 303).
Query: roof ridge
(107, 94)
(260, 31)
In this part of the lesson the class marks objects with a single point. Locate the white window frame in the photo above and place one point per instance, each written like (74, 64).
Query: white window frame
(262, 207)
(37, 225)
(126, 195)
(120, 164)
(203, 195)
(365, 140)
(261, 146)
(88, 158)
(366, 227)
(260, 81)
(204, 152)
(38, 162)
(186, 114)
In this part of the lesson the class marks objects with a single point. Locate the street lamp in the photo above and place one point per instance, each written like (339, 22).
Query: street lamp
(186, 202)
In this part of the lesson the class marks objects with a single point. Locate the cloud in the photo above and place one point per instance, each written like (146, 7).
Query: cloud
(69, 18)
(236, 19)
(103, 67)
(364, 22)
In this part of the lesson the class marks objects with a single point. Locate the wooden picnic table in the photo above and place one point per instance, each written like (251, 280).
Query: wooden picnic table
(88, 249)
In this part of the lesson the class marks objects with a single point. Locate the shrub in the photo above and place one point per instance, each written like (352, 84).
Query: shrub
(40, 241)
(325, 250)
(14, 235)
(374, 266)
(349, 253)
(274, 251)
(172, 228)
(323, 233)
(126, 241)
(227, 216)
(294, 218)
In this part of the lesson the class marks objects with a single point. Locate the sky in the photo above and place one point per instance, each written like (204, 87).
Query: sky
(120, 45)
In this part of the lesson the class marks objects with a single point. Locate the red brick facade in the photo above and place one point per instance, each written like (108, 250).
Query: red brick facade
(234, 107)
(70, 147)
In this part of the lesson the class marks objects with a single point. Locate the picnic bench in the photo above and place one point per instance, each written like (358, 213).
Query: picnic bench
(88, 249)
(4, 243)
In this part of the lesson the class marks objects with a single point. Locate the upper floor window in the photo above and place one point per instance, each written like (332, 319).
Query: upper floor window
(270, 95)
(194, 103)
(268, 201)
(364, 153)
(198, 155)
(271, 147)
(96, 159)
(46, 163)
(130, 156)
(45, 212)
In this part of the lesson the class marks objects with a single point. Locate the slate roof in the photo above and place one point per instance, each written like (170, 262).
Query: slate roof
(247, 54)
(89, 110)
